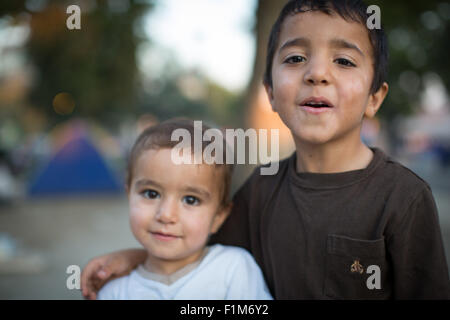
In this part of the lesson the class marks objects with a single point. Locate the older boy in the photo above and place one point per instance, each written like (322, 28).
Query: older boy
(339, 220)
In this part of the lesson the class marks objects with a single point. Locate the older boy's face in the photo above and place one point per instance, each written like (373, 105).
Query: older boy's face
(321, 77)
(173, 208)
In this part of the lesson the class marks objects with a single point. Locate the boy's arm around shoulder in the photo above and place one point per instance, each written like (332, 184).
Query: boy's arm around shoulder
(417, 252)
(102, 269)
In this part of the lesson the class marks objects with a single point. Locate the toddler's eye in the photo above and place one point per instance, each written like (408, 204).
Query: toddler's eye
(294, 59)
(345, 62)
(150, 194)
(191, 200)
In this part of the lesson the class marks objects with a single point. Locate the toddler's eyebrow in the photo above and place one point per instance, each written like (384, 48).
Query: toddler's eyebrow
(344, 44)
(199, 191)
(144, 182)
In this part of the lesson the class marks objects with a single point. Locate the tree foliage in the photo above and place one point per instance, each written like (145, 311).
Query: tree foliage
(96, 65)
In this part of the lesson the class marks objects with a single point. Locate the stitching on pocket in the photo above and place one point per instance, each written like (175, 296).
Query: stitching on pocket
(346, 246)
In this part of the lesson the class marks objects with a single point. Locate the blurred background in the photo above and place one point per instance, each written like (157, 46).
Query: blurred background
(73, 101)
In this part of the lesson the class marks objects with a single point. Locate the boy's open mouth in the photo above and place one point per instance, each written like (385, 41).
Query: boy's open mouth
(314, 102)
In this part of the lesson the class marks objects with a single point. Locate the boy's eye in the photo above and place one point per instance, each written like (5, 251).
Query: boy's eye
(150, 194)
(294, 59)
(191, 200)
(345, 62)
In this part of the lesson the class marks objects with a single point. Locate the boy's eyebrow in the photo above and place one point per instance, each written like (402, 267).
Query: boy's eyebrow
(344, 44)
(296, 42)
(304, 42)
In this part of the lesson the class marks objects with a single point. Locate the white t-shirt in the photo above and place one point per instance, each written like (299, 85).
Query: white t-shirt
(224, 273)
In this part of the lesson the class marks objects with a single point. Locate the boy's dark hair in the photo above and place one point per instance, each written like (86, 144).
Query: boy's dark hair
(159, 137)
(350, 10)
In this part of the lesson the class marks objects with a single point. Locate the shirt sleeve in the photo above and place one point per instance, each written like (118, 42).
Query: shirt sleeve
(419, 265)
(246, 280)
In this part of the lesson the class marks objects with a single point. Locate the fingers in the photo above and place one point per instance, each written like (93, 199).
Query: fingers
(94, 288)
(94, 280)
(90, 278)
(104, 273)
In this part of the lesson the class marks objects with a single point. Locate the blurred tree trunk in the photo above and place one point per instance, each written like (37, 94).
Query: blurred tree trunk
(266, 14)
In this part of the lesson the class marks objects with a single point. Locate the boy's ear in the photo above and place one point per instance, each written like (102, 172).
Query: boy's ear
(269, 91)
(375, 100)
(220, 217)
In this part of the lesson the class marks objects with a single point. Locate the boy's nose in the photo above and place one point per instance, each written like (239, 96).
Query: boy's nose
(317, 73)
(167, 212)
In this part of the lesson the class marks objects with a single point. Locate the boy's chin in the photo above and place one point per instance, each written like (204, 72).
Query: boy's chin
(311, 138)
(321, 136)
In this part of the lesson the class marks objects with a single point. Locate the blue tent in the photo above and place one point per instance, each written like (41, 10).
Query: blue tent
(76, 168)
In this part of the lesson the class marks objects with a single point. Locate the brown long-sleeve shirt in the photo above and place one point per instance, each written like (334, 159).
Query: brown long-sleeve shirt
(365, 234)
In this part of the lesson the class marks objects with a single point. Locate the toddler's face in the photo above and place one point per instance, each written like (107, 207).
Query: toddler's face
(321, 77)
(173, 208)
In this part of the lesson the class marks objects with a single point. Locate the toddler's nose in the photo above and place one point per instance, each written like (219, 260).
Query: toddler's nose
(167, 212)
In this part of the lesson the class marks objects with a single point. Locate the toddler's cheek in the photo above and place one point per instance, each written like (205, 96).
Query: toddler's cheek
(199, 233)
(139, 218)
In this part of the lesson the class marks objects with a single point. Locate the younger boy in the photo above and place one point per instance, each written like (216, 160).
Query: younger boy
(339, 220)
(173, 210)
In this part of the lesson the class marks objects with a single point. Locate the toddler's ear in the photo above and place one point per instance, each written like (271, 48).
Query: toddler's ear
(220, 217)
(375, 100)
(269, 91)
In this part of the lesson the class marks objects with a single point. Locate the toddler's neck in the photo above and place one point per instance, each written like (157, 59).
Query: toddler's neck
(168, 267)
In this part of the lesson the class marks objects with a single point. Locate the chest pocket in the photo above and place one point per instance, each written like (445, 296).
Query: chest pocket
(356, 269)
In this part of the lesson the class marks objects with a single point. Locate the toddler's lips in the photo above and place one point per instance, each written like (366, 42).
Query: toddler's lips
(164, 236)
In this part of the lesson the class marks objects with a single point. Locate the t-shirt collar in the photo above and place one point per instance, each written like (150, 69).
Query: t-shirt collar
(333, 180)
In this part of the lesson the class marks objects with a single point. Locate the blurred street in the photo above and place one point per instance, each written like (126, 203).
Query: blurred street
(62, 232)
